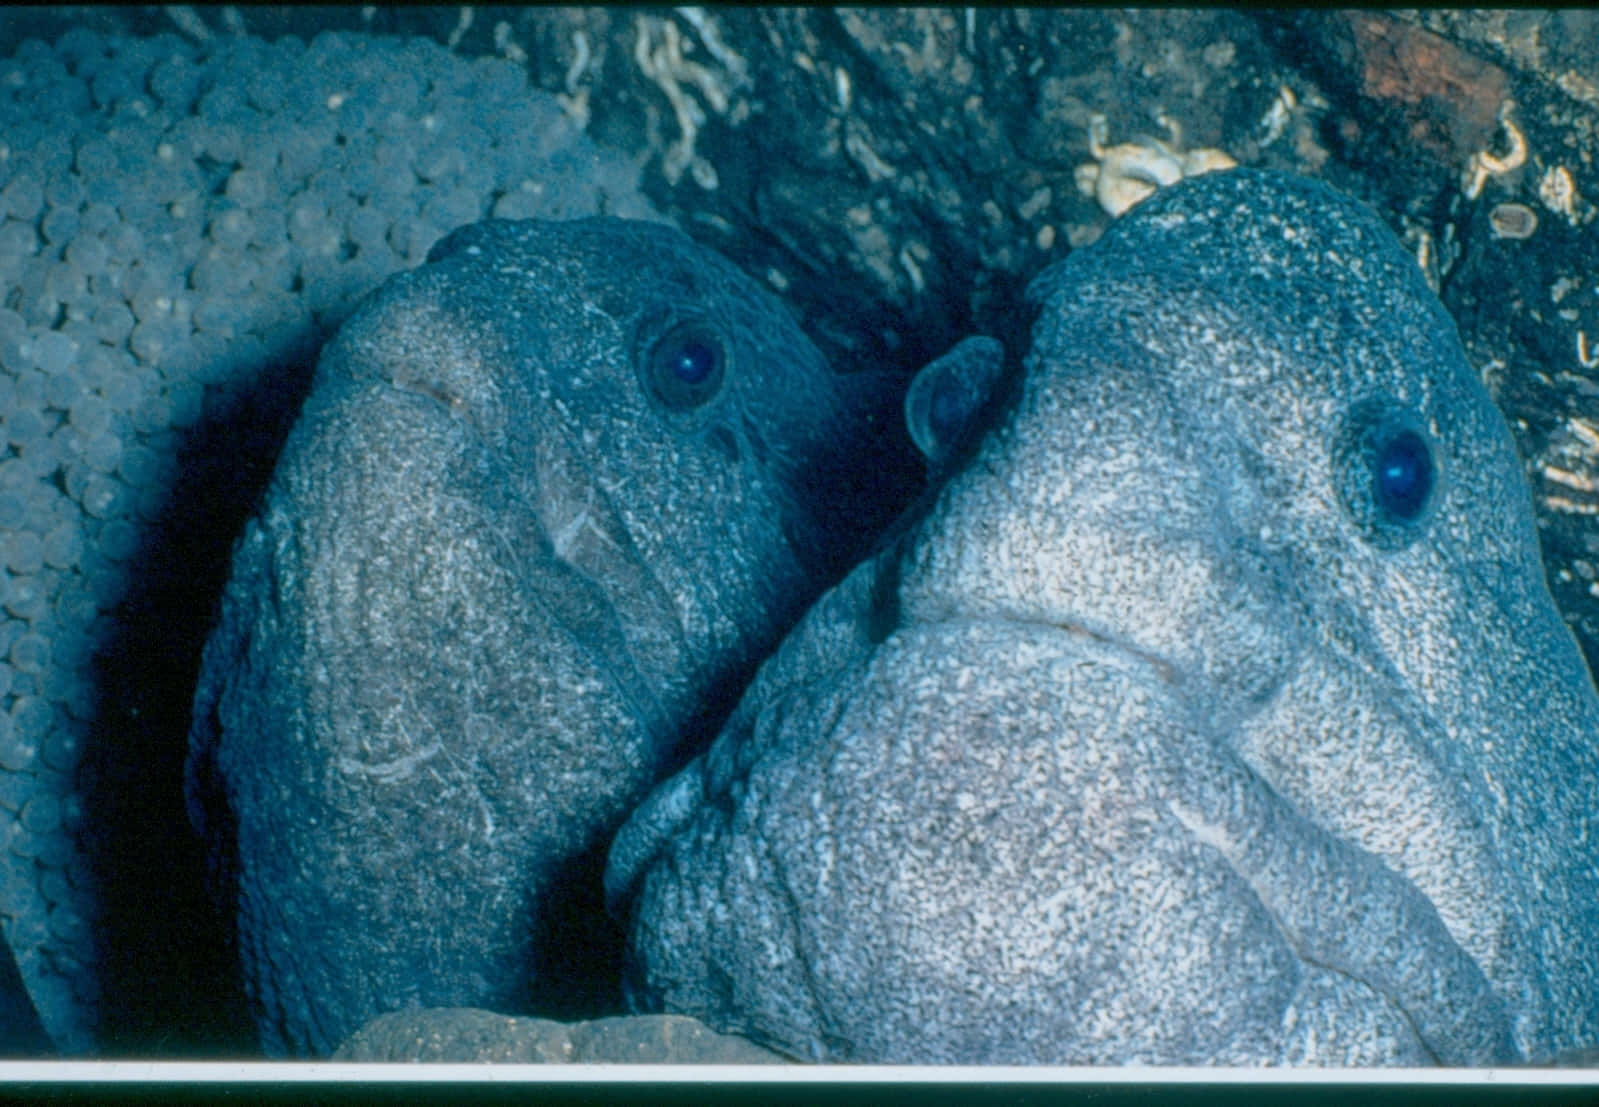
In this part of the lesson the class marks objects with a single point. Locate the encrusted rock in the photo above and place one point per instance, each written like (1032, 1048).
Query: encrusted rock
(456, 1034)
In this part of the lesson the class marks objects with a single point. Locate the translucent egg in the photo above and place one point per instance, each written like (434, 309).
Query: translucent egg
(17, 749)
(62, 545)
(30, 653)
(24, 551)
(103, 496)
(24, 597)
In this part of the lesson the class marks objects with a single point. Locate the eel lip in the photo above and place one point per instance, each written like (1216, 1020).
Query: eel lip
(601, 588)
(1162, 668)
(656, 821)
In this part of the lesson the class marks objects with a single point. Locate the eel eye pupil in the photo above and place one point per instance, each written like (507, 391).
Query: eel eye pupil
(685, 367)
(1404, 474)
(694, 362)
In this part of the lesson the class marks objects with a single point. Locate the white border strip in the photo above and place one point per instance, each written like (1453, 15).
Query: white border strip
(292, 1072)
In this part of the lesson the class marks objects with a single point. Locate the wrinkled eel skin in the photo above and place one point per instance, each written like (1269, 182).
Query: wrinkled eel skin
(1215, 712)
(551, 499)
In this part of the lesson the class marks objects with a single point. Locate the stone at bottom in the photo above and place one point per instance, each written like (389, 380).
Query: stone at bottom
(470, 1034)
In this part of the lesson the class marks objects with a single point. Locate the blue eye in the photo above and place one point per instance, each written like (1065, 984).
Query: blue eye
(684, 367)
(1403, 474)
(1386, 472)
(692, 361)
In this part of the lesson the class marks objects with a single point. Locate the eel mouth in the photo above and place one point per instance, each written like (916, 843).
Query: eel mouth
(1368, 924)
(601, 589)
(1363, 919)
(573, 547)
(1163, 669)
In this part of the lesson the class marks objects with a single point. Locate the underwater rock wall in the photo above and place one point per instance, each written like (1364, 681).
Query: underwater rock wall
(180, 225)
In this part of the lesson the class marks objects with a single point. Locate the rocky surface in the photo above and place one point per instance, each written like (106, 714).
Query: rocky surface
(471, 1035)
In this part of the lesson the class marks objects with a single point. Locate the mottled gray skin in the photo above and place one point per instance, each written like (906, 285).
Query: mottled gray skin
(1158, 738)
(493, 586)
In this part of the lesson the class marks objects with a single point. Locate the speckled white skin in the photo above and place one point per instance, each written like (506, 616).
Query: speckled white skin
(494, 586)
(1153, 739)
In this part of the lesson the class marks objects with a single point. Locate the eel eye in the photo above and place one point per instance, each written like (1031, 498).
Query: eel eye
(1386, 472)
(1403, 474)
(685, 366)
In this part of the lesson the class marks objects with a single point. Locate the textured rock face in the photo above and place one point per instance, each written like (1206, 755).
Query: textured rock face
(180, 227)
(551, 499)
(1216, 711)
(466, 1035)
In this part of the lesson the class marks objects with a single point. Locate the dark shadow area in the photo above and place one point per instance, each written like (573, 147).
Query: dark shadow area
(21, 1034)
(577, 946)
(170, 980)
